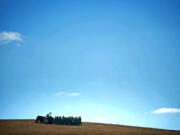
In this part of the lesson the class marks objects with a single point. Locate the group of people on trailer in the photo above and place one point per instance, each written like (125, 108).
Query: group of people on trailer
(67, 120)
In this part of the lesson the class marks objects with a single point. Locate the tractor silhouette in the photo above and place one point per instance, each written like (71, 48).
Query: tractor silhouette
(48, 119)
(59, 120)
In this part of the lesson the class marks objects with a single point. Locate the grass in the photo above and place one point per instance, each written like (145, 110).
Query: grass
(28, 127)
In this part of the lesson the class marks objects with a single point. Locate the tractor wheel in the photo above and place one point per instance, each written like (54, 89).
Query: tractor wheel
(46, 121)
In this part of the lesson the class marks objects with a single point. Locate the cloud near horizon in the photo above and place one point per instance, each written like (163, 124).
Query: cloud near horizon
(107, 119)
(166, 110)
(8, 37)
(68, 94)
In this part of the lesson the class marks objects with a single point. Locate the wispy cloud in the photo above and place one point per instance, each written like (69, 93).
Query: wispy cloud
(166, 110)
(8, 37)
(18, 44)
(68, 94)
(73, 94)
(60, 93)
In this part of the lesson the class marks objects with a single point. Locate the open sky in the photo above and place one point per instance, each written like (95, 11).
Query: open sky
(108, 61)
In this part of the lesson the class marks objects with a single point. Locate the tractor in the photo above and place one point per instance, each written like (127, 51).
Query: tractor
(48, 119)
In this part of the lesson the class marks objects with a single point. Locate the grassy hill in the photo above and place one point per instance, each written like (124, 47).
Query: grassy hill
(28, 127)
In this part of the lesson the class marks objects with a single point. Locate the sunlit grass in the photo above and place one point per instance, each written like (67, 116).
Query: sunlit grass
(28, 127)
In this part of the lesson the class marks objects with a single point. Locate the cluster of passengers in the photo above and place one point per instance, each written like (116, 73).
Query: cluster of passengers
(67, 120)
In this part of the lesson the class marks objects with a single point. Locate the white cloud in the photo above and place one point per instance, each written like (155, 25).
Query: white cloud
(8, 37)
(73, 94)
(166, 110)
(67, 94)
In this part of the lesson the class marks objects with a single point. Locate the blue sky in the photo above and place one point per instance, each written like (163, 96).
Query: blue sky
(108, 61)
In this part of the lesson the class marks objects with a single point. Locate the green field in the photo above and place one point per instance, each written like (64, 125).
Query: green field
(28, 127)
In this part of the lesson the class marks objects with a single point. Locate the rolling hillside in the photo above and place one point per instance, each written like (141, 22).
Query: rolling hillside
(28, 127)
